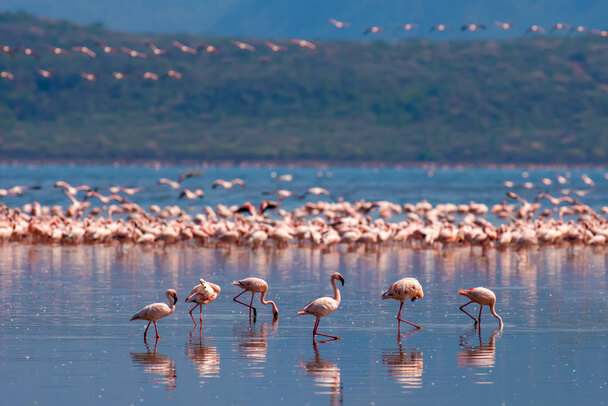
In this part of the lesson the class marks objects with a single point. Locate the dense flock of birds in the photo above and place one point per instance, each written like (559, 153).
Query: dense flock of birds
(323, 221)
(98, 48)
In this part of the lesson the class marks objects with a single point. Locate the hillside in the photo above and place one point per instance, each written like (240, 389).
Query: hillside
(524, 100)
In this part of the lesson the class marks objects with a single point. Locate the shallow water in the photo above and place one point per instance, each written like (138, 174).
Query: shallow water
(65, 333)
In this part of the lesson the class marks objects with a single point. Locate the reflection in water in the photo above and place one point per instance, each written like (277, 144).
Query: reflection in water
(205, 358)
(405, 366)
(326, 375)
(251, 345)
(159, 367)
(478, 356)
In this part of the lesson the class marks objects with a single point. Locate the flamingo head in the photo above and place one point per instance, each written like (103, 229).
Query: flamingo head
(172, 294)
(339, 277)
(463, 292)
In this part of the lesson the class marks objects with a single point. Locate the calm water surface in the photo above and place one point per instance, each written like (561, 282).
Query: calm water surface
(65, 334)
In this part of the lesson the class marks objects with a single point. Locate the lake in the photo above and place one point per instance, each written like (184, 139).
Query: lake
(65, 333)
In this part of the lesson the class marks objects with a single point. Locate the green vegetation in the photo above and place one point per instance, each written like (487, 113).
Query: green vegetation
(539, 99)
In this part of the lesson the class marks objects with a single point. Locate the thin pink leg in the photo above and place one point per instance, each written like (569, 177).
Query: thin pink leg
(191, 310)
(245, 304)
(405, 321)
(315, 332)
(147, 327)
(201, 314)
(480, 308)
(156, 329)
(467, 313)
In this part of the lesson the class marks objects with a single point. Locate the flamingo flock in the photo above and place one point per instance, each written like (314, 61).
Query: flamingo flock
(180, 48)
(91, 216)
(402, 290)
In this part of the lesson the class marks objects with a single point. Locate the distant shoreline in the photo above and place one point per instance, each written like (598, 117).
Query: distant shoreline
(291, 164)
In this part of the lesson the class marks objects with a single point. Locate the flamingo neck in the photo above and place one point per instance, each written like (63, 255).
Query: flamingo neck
(337, 297)
(500, 323)
(171, 304)
(275, 310)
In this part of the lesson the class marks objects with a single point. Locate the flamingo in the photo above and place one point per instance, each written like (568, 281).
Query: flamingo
(255, 285)
(156, 311)
(338, 24)
(226, 184)
(204, 293)
(402, 290)
(482, 296)
(324, 305)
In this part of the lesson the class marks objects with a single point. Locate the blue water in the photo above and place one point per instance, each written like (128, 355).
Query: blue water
(65, 334)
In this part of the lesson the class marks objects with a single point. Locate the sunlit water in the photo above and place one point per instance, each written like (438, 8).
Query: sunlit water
(65, 334)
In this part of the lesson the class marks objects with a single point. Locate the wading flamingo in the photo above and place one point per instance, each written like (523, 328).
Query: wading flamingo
(255, 285)
(402, 290)
(155, 311)
(201, 294)
(324, 306)
(482, 296)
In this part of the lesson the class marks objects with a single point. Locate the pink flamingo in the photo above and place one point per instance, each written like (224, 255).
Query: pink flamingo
(324, 305)
(155, 311)
(482, 296)
(201, 294)
(402, 290)
(255, 285)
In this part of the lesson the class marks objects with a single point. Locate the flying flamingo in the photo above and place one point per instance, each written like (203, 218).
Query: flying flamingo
(338, 24)
(324, 305)
(482, 296)
(255, 285)
(402, 290)
(156, 311)
(204, 293)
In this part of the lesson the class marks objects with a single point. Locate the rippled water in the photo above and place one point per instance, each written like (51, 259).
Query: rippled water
(65, 334)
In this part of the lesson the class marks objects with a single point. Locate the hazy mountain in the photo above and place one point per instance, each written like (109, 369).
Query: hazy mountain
(308, 18)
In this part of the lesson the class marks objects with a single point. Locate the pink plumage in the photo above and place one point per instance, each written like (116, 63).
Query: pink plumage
(402, 290)
(483, 297)
(324, 306)
(156, 311)
(202, 294)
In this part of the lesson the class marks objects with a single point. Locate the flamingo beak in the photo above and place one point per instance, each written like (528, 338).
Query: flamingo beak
(175, 299)
(342, 280)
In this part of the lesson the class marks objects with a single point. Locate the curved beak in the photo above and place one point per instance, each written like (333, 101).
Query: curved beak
(342, 280)
(175, 299)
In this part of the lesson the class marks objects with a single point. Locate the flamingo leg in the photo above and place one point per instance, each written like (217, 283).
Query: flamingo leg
(201, 314)
(146, 331)
(314, 332)
(191, 310)
(462, 308)
(405, 321)
(156, 329)
(480, 309)
(245, 304)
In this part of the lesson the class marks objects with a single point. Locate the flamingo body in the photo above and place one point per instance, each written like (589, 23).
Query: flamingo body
(483, 297)
(155, 311)
(255, 285)
(324, 305)
(202, 294)
(402, 290)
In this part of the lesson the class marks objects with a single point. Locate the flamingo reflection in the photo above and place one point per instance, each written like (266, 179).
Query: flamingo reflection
(205, 358)
(405, 366)
(477, 356)
(252, 346)
(326, 375)
(159, 367)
